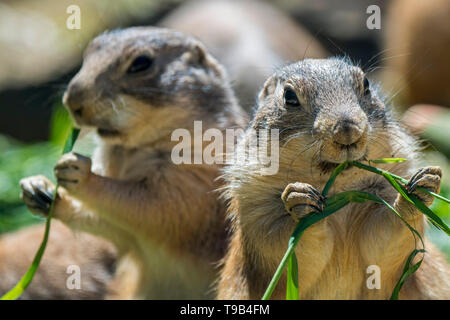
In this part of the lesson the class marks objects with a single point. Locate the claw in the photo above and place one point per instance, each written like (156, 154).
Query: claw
(37, 194)
(300, 199)
(429, 178)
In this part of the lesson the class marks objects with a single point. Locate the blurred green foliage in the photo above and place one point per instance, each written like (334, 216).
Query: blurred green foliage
(19, 160)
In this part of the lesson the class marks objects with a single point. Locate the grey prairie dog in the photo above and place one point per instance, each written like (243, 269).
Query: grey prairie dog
(327, 112)
(136, 86)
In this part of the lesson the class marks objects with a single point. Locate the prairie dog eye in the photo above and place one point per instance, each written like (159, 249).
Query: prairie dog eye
(140, 64)
(290, 97)
(366, 86)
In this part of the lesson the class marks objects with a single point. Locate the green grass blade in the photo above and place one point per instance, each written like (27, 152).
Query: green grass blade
(397, 186)
(407, 271)
(432, 217)
(292, 278)
(437, 196)
(24, 282)
(71, 139)
(376, 170)
(333, 176)
(340, 200)
(401, 179)
(388, 160)
(369, 196)
(333, 205)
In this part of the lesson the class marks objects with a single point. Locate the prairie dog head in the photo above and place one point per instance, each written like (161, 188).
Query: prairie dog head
(326, 110)
(137, 85)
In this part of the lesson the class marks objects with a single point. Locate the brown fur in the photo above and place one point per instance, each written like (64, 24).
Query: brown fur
(164, 218)
(417, 47)
(333, 254)
(95, 257)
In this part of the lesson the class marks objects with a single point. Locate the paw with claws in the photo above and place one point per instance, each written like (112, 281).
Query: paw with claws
(72, 171)
(428, 178)
(37, 193)
(300, 199)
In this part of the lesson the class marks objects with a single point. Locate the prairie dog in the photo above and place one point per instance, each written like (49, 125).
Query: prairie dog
(328, 112)
(136, 86)
(250, 38)
(417, 47)
(64, 254)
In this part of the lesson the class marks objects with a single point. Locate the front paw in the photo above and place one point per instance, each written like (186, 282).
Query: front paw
(428, 178)
(37, 193)
(72, 171)
(301, 198)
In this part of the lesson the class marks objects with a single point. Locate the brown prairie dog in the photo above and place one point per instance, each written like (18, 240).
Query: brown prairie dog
(251, 39)
(136, 86)
(417, 50)
(95, 258)
(327, 112)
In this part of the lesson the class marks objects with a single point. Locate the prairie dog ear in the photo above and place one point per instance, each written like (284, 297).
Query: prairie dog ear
(268, 88)
(200, 56)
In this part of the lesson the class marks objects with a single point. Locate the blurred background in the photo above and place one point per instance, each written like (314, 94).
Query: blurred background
(409, 54)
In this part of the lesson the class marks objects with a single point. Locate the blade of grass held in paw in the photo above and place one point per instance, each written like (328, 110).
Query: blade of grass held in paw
(302, 225)
(401, 179)
(432, 217)
(340, 200)
(333, 204)
(24, 282)
(292, 280)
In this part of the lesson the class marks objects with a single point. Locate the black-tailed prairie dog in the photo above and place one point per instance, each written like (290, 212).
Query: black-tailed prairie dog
(327, 112)
(137, 86)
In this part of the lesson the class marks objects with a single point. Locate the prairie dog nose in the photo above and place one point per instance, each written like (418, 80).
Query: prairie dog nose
(73, 98)
(347, 132)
